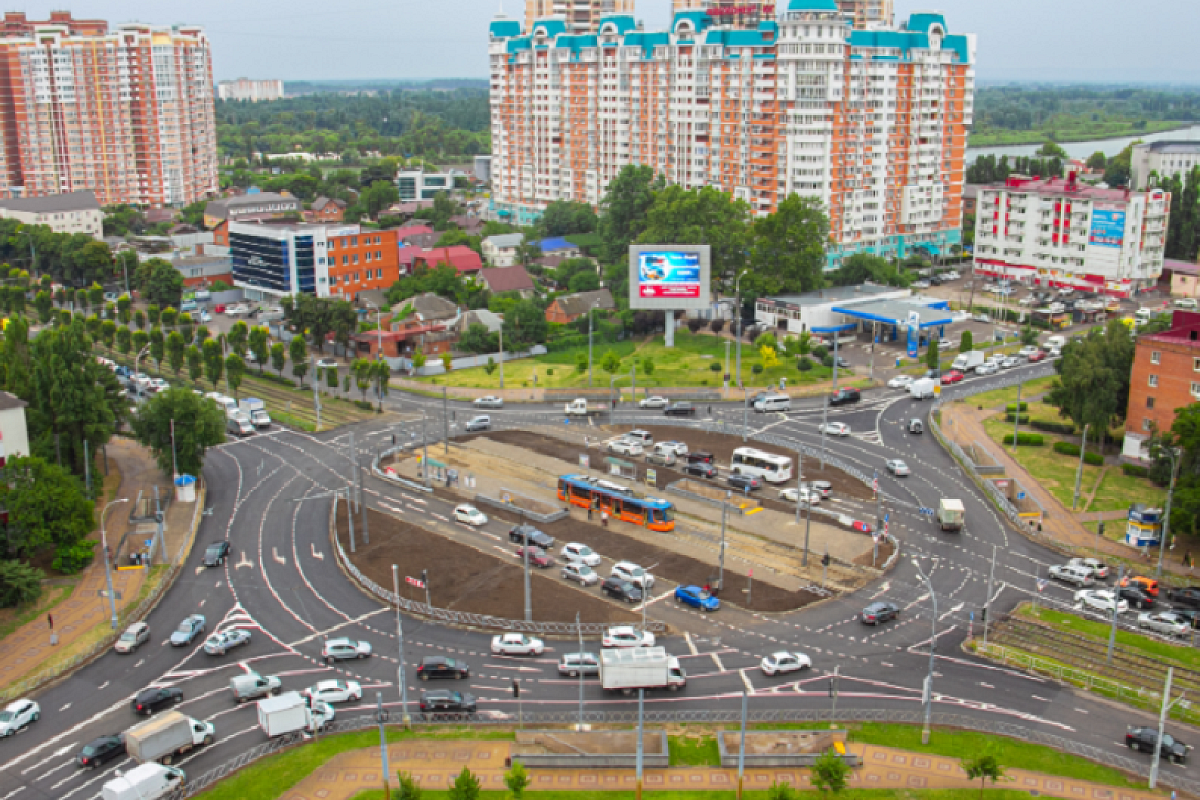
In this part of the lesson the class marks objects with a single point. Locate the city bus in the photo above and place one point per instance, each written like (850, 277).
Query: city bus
(579, 490)
(771, 468)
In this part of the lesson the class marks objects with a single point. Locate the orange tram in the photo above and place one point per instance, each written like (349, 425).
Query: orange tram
(618, 501)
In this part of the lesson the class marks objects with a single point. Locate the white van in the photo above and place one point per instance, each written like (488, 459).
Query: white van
(1185, 302)
(773, 402)
(149, 781)
(1055, 342)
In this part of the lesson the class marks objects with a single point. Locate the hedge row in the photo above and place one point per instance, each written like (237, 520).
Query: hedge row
(1135, 470)
(1011, 407)
(1011, 417)
(1069, 449)
(1052, 427)
(1030, 439)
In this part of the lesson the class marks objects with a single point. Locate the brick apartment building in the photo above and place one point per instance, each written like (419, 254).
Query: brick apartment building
(325, 209)
(1165, 378)
(369, 260)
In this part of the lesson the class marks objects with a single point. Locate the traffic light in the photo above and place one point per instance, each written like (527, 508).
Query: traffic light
(825, 559)
(983, 614)
(1100, 529)
(516, 689)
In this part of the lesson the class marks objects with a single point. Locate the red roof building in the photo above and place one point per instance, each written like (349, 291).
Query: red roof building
(461, 257)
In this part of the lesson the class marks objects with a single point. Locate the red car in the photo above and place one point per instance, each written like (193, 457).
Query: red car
(219, 309)
(1036, 357)
(953, 376)
(861, 527)
(537, 557)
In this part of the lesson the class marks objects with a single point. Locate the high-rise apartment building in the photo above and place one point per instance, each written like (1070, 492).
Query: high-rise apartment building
(127, 113)
(580, 16)
(868, 13)
(254, 91)
(871, 123)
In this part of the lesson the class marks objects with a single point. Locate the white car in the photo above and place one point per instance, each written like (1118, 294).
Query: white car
(581, 573)
(490, 401)
(470, 515)
(1054, 352)
(1010, 362)
(1027, 350)
(987, 368)
(783, 661)
(336, 691)
(981, 318)
(625, 447)
(1101, 600)
(158, 385)
(1026, 301)
(834, 429)
(205, 316)
(900, 381)
(807, 495)
(1167, 622)
(627, 636)
(574, 552)
(236, 310)
(897, 467)
(945, 345)
(922, 284)
(517, 644)
(653, 402)
(629, 571)
(17, 714)
(327, 363)
(678, 448)
(1099, 569)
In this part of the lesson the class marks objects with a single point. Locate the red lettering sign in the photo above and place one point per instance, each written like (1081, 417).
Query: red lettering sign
(729, 11)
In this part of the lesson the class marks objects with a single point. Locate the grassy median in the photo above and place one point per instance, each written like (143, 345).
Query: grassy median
(848, 794)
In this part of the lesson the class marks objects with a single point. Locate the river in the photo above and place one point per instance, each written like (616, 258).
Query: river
(1081, 150)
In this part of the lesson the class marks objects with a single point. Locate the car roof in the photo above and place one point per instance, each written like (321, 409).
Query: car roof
(622, 629)
(137, 626)
(340, 640)
(330, 684)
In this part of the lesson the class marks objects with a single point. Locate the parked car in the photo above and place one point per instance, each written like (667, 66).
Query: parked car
(897, 467)
(844, 396)
(805, 494)
(469, 515)
(680, 449)
(490, 401)
(625, 447)
(188, 630)
(574, 551)
(900, 381)
(156, 698)
(517, 644)
(1099, 569)
(629, 571)
(654, 402)
(784, 661)
(20, 713)
(696, 597)
(527, 534)
(862, 527)
(620, 589)
(439, 667)
(1101, 600)
(1144, 738)
(1068, 573)
(879, 612)
(343, 649)
(1036, 357)
(574, 664)
(627, 636)
(742, 482)
(335, 691)
(834, 428)
(537, 557)
(703, 469)
(134, 637)
(323, 363)
(662, 459)
(1167, 622)
(215, 554)
(442, 701)
(681, 409)
(580, 573)
(480, 423)
(223, 641)
(1188, 596)
(100, 750)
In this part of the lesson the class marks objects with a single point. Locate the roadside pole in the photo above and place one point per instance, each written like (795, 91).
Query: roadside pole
(316, 394)
(425, 447)
(721, 560)
(1162, 722)
(1112, 634)
(1017, 419)
(640, 729)
(381, 717)
(353, 475)
(987, 601)
(742, 745)
(824, 425)
(579, 631)
(400, 635)
(362, 503)
(1079, 469)
(525, 545)
(445, 423)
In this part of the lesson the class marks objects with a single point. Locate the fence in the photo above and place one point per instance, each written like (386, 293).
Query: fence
(725, 717)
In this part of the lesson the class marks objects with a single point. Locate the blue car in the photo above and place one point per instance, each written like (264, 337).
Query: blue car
(696, 597)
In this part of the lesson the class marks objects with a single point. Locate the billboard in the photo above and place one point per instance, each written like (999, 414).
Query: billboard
(1108, 228)
(669, 277)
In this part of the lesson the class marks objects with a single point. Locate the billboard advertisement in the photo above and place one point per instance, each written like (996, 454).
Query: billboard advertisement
(1108, 228)
(669, 277)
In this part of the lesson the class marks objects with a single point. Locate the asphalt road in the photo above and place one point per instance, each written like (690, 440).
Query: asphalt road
(282, 583)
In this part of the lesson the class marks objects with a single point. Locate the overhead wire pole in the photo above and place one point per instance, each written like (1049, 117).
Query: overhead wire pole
(1078, 469)
(112, 601)
(1166, 526)
(425, 448)
(445, 422)
(932, 645)
(316, 394)
(1112, 633)
(400, 635)
(987, 601)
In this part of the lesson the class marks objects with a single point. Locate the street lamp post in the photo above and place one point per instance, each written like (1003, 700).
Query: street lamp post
(1078, 469)
(591, 316)
(1162, 541)
(932, 644)
(745, 411)
(400, 636)
(738, 310)
(112, 600)
(721, 561)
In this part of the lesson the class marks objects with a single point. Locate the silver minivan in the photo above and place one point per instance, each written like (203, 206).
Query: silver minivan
(239, 425)
(773, 402)
(251, 686)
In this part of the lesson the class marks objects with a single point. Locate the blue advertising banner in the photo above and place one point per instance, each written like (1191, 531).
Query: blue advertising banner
(1108, 228)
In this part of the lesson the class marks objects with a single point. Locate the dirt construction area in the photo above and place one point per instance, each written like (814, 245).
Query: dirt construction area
(463, 578)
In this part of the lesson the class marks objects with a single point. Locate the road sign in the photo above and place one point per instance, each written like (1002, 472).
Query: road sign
(652, 477)
(584, 460)
(1020, 495)
(417, 582)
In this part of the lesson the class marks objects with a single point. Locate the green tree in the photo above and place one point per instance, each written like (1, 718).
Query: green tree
(491, 366)
(623, 210)
(1118, 168)
(586, 281)
(787, 252)
(447, 361)
(477, 339)
(153, 314)
(46, 506)
(382, 377)
(931, 354)
(157, 347)
(331, 378)
(186, 328)
(830, 772)
(409, 788)
(81, 300)
(379, 196)
(140, 340)
(175, 347)
(1029, 335)
(418, 358)
(108, 333)
(260, 346)
(238, 337)
(1097, 160)
(202, 335)
(781, 791)
(525, 325)
(20, 584)
(985, 767)
(160, 283)
(1093, 379)
(345, 383)
(967, 343)
(124, 306)
(95, 295)
(199, 425)
(195, 363)
(124, 340)
(139, 319)
(298, 353)
(517, 780)
(361, 369)
(43, 303)
(610, 362)
(862, 267)
(235, 372)
(565, 217)
(278, 357)
(214, 362)
(466, 786)
(703, 216)
(170, 317)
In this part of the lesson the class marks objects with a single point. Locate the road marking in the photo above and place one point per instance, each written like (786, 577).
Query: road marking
(691, 645)
(60, 751)
(245, 562)
(746, 681)
(279, 558)
(1080, 710)
(139, 663)
(1035, 697)
(986, 685)
(320, 556)
(50, 772)
(101, 686)
(13, 793)
(716, 658)
(340, 625)
(64, 708)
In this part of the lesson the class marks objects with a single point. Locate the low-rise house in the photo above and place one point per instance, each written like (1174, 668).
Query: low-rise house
(325, 209)
(501, 250)
(507, 279)
(571, 307)
(459, 256)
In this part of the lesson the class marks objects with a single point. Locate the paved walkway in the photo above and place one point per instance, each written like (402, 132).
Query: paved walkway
(435, 764)
(28, 650)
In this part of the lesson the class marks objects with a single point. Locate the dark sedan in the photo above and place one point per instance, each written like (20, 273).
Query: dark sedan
(443, 701)
(99, 750)
(744, 482)
(1136, 597)
(621, 590)
(442, 667)
(520, 533)
(702, 468)
(1143, 739)
(1188, 596)
(215, 554)
(876, 613)
(680, 410)
(155, 699)
(844, 396)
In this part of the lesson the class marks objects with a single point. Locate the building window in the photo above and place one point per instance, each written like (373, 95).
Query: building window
(1149, 402)
(367, 256)
(1196, 365)
(355, 258)
(345, 260)
(1155, 357)
(377, 240)
(1153, 381)
(1146, 424)
(378, 255)
(354, 241)
(1195, 389)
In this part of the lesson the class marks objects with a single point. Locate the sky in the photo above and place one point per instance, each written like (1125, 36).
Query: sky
(1092, 41)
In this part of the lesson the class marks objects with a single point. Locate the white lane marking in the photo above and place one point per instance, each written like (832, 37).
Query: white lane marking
(64, 708)
(717, 659)
(244, 562)
(340, 625)
(55, 754)
(746, 681)
(320, 556)
(278, 557)
(48, 773)
(691, 645)
(1035, 697)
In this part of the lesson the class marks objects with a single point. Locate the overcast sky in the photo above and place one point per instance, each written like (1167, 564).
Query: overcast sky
(1026, 40)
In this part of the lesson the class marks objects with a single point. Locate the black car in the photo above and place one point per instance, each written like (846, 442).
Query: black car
(879, 612)
(1189, 597)
(99, 750)
(1143, 738)
(150, 700)
(702, 468)
(520, 533)
(844, 396)
(1136, 597)
(441, 701)
(744, 482)
(621, 590)
(215, 554)
(680, 410)
(442, 667)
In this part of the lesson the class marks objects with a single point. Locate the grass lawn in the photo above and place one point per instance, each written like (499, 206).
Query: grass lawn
(13, 618)
(1117, 490)
(1054, 471)
(689, 363)
(999, 397)
(270, 777)
(1180, 655)
(687, 752)
(848, 794)
(1069, 130)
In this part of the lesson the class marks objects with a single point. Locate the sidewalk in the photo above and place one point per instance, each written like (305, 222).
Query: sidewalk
(84, 619)
(435, 764)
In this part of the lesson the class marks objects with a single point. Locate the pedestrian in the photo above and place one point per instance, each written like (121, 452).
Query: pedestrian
(604, 517)
(50, 620)
(589, 513)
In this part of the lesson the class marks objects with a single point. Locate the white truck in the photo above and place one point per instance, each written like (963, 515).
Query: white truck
(922, 388)
(965, 362)
(632, 668)
(950, 514)
(291, 712)
(579, 408)
(256, 410)
(164, 738)
(144, 782)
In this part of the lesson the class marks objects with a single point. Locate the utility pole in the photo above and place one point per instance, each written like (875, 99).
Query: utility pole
(874, 337)
(501, 354)
(835, 361)
(174, 458)
(1162, 722)
(824, 425)
(742, 744)
(1017, 425)
(112, 600)
(721, 561)
(987, 601)
(799, 482)
(316, 394)
(349, 513)
(1162, 541)
(591, 316)
(425, 448)
(738, 310)
(1112, 633)
(807, 530)
(641, 717)
(1079, 469)
(445, 423)
(579, 631)
(745, 412)
(381, 716)
(932, 644)
(525, 558)
(354, 475)
(362, 504)
(400, 635)
(726, 381)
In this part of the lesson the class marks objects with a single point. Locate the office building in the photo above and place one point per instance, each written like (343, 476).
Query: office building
(126, 113)
(873, 124)
(1062, 232)
(254, 204)
(1164, 379)
(253, 91)
(1167, 159)
(580, 16)
(416, 184)
(74, 212)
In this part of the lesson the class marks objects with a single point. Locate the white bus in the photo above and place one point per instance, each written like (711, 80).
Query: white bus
(771, 468)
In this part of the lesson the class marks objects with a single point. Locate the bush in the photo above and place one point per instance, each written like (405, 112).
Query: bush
(364, 405)
(266, 376)
(820, 351)
(827, 361)
(20, 584)
(1051, 426)
(717, 325)
(757, 369)
(1029, 439)
(549, 370)
(1094, 459)
(1011, 407)
(695, 324)
(714, 367)
(1066, 448)
(1011, 417)
(72, 558)
(805, 364)
(1135, 470)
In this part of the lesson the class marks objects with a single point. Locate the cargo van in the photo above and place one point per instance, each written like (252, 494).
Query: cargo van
(922, 389)
(1055, 342)
(144, 782)
(773, 402)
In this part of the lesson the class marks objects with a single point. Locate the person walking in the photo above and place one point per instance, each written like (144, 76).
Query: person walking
(604, 517)
(589, 512)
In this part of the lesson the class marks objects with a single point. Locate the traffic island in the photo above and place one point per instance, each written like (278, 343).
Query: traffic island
(612, 749)
(784, 748)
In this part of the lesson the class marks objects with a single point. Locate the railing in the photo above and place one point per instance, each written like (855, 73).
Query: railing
(727, 717)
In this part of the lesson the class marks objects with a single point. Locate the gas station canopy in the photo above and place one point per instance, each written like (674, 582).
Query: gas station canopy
(898, 312)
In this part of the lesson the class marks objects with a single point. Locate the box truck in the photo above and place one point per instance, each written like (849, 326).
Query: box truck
(951, 514)
(922, 388)
(291, 712)
(166, 737)
(144, 782)
(256, 410)
(629, 669)
(965, 362)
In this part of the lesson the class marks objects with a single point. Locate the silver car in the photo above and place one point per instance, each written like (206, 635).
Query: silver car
(491, 401)
(222, 642)
(577, 571)
(1166, 622)
(188, 630)
(134, 637)
(897, 467)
